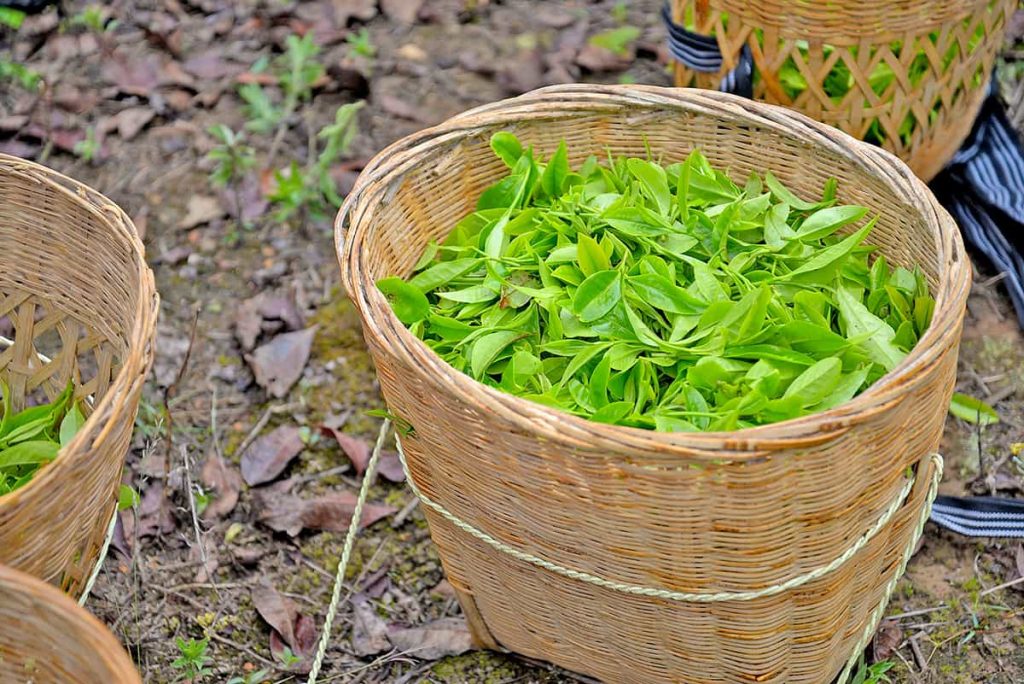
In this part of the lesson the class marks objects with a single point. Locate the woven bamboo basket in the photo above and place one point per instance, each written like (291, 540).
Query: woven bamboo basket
(765, 554)
(958, 39)
(45, 638)
(77, 301)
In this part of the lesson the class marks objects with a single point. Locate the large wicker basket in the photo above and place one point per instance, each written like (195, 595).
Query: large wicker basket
(958, 39)
(46, 639)
(641, 533)
(77, 301)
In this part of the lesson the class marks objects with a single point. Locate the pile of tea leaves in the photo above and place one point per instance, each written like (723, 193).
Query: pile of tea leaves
(662, 297)
(32, 438)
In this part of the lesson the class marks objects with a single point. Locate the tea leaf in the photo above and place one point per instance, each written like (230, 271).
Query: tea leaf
(597, 295)
(964, 407)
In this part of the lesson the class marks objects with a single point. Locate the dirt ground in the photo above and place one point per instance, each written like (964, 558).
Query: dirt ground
(131, 91)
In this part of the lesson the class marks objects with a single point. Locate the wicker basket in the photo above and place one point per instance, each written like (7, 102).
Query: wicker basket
(863, 34)
(626, 521)
(46, 639)
(79, 302)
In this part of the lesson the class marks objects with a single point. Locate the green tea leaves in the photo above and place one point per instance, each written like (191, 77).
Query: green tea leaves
(71, 424)
(33, 437)
(407, 300)
(827, 221)
(487, 348)
(597, 296)
(659, 297)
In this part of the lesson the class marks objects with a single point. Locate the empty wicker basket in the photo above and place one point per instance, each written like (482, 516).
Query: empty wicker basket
(940, 54)
(77, 301)
(45, 638)
(765, 554)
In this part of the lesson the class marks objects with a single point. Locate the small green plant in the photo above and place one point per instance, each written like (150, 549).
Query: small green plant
(232, 159)
(19, 73)
(127, 498)
(94, 18)
(11, 18)
(872, 674)
(288, 658)
(312, 189)
(88, 148)
(296, 71)
(263, 116)
(360, 44)
(257, 677)
(620, 12)
(616, 40)
(192, 662)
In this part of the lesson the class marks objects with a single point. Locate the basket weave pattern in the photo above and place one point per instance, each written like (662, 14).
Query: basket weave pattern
(686, 512)
(46, 639)
(863, 34)
(79, 302)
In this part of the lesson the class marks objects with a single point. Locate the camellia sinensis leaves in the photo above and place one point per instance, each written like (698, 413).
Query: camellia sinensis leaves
(662, 297)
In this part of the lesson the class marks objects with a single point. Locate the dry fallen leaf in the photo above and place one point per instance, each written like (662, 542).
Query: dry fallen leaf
(398, 107)
(521, 74)
(129, 122)
(278, 364)
(268, 456)
(201, 209)
(390, 467)
(402, 11)
(597, 59)
(369, 631)
(211, 66)
(224, 479)
(343, 10)
(132, 74)
(887, 639)
(291, 514)
(288, 626)
(155, 517)
(253, 312)
(357, 450)
(434, 640)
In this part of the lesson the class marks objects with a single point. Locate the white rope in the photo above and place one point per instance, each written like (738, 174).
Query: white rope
(99, 561)
(772, 590)
(350, 538)
(879, 611)
(873, 619)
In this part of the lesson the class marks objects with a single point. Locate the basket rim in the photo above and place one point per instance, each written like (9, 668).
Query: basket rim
(113, 654)
(561, 102)
(140, 336)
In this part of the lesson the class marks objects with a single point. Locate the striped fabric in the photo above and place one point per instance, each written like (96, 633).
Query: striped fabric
(983, 189)
(701, 53)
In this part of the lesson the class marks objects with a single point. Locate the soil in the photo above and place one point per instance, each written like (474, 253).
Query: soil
(174, 67)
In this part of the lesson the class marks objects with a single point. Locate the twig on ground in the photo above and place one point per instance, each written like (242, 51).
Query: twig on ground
(915, 648)
(262, 423)
(195, 520)
(1004, 585)
(169, 394)
(404, 514)
(244, 649)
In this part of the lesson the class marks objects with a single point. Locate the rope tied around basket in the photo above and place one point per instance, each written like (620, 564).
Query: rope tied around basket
(863, 540)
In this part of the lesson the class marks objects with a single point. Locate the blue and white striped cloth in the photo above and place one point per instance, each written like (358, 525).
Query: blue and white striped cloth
(983, 189)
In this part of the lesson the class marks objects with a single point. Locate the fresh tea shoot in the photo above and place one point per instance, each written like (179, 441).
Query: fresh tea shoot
(662, 297)
(32, 438)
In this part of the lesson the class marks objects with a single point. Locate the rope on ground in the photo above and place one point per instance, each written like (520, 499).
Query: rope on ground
(350, 538)
(99, 561)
